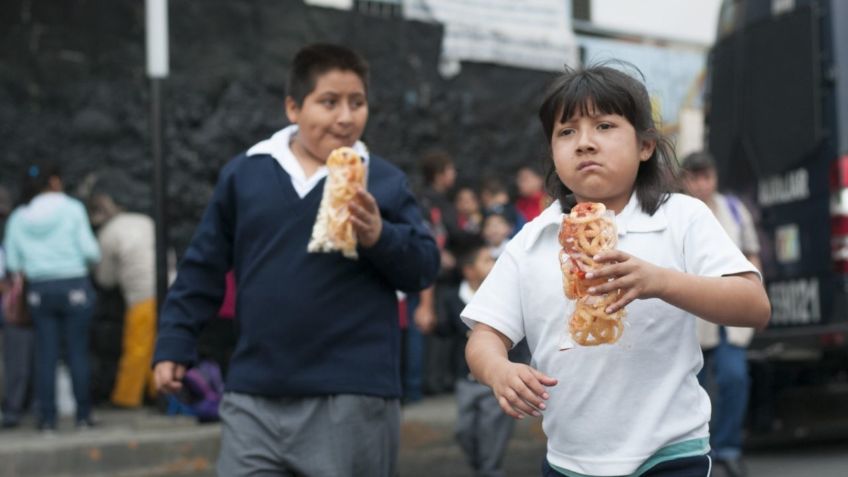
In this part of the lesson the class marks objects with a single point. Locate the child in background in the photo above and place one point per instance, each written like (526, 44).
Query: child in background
(495, 199)
(532, 199)
(482, 430)
(635, 407)
(497, 229)
(469, 216)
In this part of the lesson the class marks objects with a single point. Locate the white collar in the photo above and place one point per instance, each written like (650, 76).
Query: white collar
(631, 219)
(278, 146)
(465, 292)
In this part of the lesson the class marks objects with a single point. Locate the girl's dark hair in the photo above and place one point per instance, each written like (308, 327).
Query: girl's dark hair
(36, 179)
(608, 90)
(314, 60)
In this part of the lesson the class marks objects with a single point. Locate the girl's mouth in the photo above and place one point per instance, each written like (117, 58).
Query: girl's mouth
(587, 164)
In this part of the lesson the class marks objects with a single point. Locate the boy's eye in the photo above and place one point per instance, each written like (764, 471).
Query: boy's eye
(328, 102)
(604, 126)
(566, 132)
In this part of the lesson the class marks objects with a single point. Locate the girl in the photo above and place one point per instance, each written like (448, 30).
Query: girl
(49, 240)
(633, 407)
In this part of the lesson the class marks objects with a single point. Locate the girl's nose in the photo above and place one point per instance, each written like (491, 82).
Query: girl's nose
(585, 143)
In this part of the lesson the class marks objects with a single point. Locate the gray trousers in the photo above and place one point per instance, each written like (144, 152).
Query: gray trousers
(338, 436)
(18, 345)
(482, 428)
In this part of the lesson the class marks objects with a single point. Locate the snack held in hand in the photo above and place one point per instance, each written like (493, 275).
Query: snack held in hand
(587, 231)
(333, 230)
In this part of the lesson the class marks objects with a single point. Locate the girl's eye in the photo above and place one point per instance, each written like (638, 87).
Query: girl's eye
(603, 126)
(566, 132)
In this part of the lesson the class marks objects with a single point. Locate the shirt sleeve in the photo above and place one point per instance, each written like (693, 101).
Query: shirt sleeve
(405, 254)
(106, 272)
(497, 302)
(708, 250)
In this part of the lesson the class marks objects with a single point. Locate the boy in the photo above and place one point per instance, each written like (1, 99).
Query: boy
(482, 429)
(314, 381)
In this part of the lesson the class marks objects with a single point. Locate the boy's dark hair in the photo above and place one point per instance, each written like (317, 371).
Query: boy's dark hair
(467, 249)
(698, 162)
(36, 178)
(502, 213)
(608, 90)
(314, 60)
(433, 163)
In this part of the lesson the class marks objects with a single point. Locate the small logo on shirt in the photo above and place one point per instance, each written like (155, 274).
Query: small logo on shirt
(33, 298)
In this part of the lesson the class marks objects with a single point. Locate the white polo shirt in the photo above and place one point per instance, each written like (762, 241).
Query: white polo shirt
(615, 405)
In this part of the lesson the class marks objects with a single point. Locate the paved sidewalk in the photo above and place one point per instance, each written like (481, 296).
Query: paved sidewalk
(145, 443)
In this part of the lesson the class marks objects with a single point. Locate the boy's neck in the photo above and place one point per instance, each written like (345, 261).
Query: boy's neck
(307, 161)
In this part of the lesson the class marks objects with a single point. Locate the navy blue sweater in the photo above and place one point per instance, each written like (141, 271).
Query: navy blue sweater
(309, 324)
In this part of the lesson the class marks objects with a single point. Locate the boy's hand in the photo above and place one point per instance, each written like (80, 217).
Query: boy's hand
(634, 277)
(365, 218)
(168, 376)
(520, 389)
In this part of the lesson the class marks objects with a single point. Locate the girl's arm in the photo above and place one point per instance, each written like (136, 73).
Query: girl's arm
(732, 300)
(519, 389)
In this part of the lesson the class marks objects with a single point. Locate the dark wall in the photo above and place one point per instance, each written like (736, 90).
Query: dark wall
(73, 87)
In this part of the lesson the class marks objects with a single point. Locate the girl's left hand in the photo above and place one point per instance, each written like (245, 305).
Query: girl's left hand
(365, 217)
(635, 278)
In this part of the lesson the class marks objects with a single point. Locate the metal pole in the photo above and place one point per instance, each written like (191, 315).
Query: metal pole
(159, 191)
(156, 38)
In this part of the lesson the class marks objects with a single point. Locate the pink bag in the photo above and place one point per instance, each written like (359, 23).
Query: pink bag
(15, 311)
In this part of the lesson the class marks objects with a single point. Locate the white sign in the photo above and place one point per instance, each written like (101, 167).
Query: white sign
(156, 29)
(340, 4)
(790, 187)
(795, 302)
(533, 34)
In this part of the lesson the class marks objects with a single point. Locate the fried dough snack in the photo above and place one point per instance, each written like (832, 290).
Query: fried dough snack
(333, 230)
(587, 231)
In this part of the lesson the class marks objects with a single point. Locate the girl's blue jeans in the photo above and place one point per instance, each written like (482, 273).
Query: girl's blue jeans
(61, 311)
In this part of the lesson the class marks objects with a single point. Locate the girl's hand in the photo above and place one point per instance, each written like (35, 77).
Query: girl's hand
(634, 277)
(520, 389)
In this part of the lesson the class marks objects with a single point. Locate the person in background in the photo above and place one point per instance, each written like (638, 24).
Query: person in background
(313, 386)
(495, 199)
(127, 245)
(49, 240)
(469, 216)
(482, 429)
(439, 173)
(18, 338)
(532, 198)
(497, 230)
(725, 358)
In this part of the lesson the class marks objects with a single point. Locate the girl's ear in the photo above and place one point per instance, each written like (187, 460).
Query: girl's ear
(647, 149)
(292, 109)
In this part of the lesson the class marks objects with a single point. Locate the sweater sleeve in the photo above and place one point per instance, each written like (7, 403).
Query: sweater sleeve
(198, 290)
(106, 272)
(405, 254)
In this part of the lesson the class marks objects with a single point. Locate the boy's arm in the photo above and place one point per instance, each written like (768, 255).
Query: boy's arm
(198, 290)
(405, 253)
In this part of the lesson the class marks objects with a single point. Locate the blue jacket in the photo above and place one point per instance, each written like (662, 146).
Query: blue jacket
(309, 323)
(50, 238)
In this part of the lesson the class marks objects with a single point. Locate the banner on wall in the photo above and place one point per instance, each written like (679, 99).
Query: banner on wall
(340, 4)
(533, 34)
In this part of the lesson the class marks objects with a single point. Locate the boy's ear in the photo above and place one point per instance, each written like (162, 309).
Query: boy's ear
(292, 109)
(647, 150)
